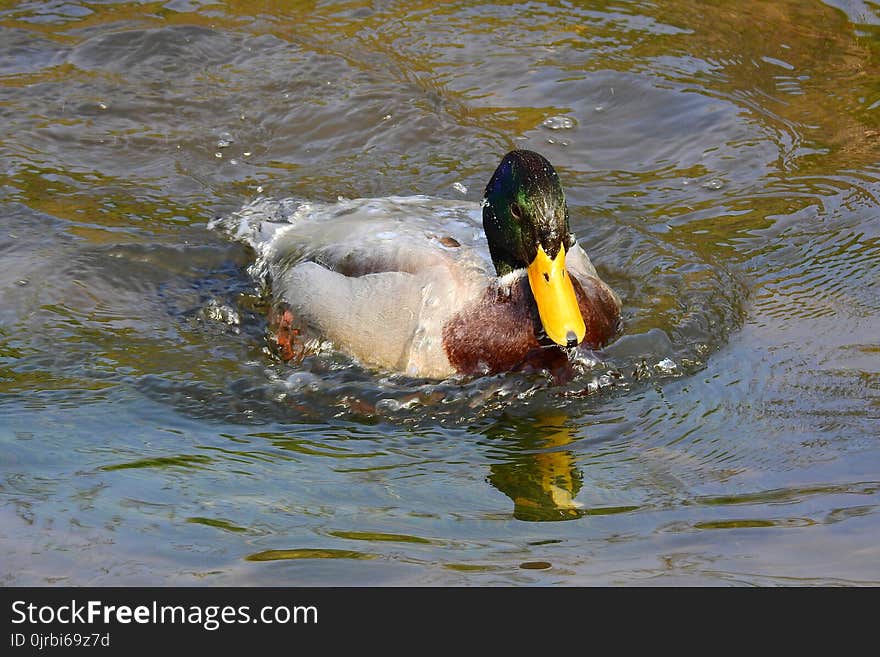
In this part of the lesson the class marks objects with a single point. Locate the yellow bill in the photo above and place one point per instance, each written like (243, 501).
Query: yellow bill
(557, 303)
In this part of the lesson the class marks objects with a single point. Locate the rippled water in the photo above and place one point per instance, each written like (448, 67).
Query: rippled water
(722, 168)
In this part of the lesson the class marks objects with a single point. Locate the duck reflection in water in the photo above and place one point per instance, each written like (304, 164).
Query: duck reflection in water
(539, 475)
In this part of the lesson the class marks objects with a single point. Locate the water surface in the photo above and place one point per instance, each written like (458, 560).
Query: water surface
(722, 168)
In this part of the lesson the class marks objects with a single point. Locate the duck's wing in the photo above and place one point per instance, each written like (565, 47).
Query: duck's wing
(360, 236)
(581, 267)
(578, 262)
(372, 317)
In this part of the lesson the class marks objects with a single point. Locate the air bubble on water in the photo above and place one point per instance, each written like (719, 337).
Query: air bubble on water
(244, 228)
(219, 312)
(225, 140)
(599, 108)
(558, 123)
(259, 189)
(21, 282)
(102, 106)
(666, 365)
(457, 186)
(246, 154)
(586, 358)
(715, 183)
(601, 382)
(389, 405)
(218, 154)
(386, 117)
(233, 161)
(303, 381)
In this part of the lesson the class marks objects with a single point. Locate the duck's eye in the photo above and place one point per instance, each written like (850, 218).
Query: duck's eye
(515, 211)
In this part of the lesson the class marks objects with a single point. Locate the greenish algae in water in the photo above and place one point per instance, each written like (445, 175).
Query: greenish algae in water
(380, 536)
(471, 567)
(219, 524)
(748, 523)
(308, 553)
(182, 460)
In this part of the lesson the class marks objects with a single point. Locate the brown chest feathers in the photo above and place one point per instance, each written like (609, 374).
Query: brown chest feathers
(499, 333)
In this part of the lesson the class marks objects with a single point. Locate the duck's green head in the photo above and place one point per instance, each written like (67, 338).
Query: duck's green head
(526, 223)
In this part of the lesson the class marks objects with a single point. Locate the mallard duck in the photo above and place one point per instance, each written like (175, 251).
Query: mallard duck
(405, 284)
